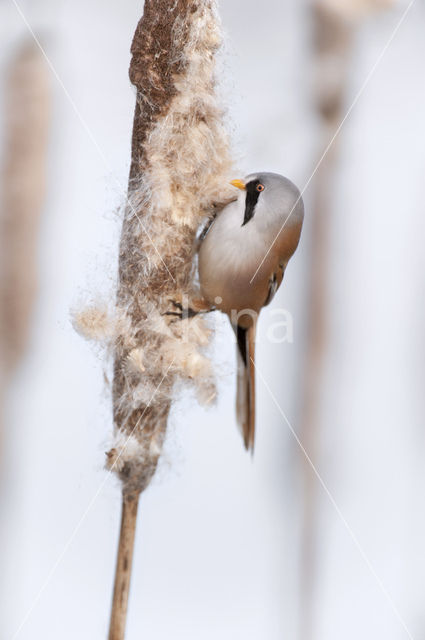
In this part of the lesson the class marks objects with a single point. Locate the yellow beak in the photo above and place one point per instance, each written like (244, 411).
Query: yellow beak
(240, 184)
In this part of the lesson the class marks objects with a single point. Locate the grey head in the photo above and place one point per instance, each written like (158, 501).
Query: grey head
(270, 198)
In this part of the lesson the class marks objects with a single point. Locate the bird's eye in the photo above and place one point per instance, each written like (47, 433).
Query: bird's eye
(260, 187)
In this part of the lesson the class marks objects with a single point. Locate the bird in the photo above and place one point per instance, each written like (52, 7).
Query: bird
(242, 257)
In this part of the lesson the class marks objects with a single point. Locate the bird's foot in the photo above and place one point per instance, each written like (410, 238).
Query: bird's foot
(186, 312)
(183, 312)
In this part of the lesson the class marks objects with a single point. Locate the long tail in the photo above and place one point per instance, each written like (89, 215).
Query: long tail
(245, 396)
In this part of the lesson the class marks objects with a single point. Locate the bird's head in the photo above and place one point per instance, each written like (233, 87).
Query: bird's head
(269, 197)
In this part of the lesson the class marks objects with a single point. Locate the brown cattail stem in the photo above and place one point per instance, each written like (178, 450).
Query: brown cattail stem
(179, 177)
(130, 503)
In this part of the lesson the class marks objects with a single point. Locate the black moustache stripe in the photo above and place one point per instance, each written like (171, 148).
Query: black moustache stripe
(251, 200)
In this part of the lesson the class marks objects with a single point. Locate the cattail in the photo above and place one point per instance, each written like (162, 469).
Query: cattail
(26, 117)
(334, 27)
(179, 173)
(23, 191)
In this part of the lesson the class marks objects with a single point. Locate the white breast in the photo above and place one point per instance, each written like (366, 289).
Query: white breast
(229, 246)
(229, 257)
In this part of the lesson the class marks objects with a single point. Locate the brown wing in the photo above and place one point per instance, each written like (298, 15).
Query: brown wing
(274, 283)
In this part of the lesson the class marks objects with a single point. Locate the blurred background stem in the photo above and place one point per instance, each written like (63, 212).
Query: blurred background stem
(332, 36)
(23, 188)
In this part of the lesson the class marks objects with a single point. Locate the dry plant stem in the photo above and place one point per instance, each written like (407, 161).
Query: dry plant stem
(332, 43)
(334, 26)
(22, 192)
(124, 565)
(180, 167)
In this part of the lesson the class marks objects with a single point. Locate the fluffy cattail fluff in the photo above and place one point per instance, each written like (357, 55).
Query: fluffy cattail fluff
(179, 174)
